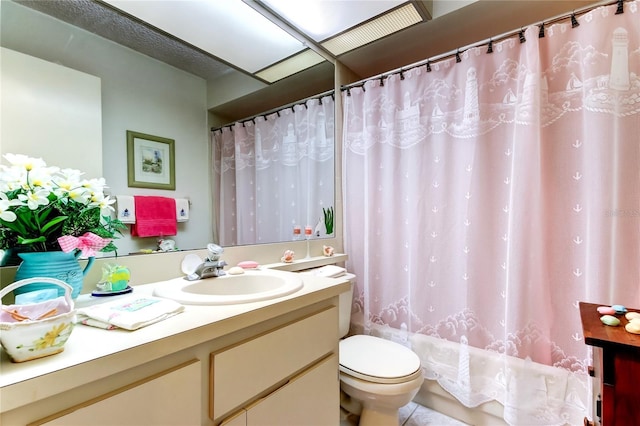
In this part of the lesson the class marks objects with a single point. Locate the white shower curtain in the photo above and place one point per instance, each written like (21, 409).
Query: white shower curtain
(274, 172)
(484, 199)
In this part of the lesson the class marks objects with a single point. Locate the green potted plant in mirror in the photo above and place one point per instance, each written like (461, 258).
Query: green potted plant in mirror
(51, 217)
(328, 219)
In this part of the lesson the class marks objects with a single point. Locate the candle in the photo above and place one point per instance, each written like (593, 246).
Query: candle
(308, 230)
(296, 230)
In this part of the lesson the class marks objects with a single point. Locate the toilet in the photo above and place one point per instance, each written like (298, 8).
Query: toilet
(377, 376)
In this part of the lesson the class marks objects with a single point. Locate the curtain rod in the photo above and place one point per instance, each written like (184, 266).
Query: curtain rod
(489, 42)
(278, 109)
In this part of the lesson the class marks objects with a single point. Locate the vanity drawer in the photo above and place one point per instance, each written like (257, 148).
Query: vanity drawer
(170, 397)
(250, 369)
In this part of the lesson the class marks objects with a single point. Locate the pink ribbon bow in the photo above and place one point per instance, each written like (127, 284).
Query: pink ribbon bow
(88, 244)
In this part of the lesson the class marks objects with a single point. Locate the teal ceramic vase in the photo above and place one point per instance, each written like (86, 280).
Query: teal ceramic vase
(52, 264)
(10, 257)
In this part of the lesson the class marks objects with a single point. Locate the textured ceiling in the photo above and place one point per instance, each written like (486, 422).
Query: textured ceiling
(101, 19)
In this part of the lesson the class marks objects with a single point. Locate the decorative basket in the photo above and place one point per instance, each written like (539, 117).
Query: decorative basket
(36, 330)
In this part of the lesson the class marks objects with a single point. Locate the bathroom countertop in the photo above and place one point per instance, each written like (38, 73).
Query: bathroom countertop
(92, 353)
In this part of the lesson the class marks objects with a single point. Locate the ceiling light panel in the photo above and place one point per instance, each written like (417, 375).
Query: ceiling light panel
(290, 66)
(229, 29)
(321, 19)
(375, 29)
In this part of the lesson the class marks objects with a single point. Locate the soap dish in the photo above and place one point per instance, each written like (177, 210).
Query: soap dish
(100, 293)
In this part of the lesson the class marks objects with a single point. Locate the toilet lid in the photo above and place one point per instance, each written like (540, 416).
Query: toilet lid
(377, 358)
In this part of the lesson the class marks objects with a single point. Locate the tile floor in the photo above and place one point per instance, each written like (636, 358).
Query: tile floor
(412, 414)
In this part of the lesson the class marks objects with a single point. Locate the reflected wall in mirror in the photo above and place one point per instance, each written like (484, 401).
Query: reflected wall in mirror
(275, 173)
(139, 93)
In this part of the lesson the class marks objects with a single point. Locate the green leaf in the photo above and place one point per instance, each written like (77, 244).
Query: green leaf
(53, 222)
(40, 239)
(16, 227)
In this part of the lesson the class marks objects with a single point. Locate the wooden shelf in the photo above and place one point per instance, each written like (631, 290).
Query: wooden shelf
(308, 263)
(598, 334)
(616, 356)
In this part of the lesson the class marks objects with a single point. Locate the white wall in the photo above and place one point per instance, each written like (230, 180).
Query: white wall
(67, 119)
(138, 93)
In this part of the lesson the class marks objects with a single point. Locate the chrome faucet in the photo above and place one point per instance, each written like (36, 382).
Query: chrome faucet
(212, 265)
(210, 269)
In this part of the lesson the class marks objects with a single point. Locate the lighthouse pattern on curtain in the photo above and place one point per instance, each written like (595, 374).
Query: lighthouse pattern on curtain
(615, 90)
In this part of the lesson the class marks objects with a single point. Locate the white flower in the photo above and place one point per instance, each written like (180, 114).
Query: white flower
(34, 199)
(12, 178)
(41, 177)
(95, 185)
(5, 197)
(25, 162)
(66, 181)
(80, 195)
(71, 175)
(98, 199)
(5, 213)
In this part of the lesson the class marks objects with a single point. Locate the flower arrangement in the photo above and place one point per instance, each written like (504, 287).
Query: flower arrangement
(40, 205)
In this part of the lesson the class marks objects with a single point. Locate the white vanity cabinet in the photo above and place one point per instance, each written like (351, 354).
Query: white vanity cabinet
(169, 398)
(265, 363)
(288, 375)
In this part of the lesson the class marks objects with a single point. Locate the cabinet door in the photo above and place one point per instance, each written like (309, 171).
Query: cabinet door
(241, 373)
(620, 395)
(172, 397)
(309, 399)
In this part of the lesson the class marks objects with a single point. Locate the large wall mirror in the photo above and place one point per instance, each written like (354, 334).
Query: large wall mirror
(145, 88)
(274, 175)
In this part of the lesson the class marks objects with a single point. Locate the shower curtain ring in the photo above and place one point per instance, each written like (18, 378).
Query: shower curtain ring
(574, 21)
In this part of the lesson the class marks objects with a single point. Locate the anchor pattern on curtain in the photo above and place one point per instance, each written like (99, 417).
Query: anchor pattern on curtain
(273, 172)
(485, 198)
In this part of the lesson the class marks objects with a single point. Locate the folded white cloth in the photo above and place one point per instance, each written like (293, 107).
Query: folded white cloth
(329, 271)
(130, 313)
(182, 209)
(126, 208)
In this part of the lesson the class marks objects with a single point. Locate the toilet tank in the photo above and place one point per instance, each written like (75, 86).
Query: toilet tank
(345, 299)
(344, 306)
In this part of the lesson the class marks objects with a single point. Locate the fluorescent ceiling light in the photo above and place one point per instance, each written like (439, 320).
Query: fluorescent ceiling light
(322, 19)
(290, 66)
(228, 29)
(291, 36)
(375, 29)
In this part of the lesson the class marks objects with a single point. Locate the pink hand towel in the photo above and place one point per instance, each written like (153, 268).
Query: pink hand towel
(155, 217)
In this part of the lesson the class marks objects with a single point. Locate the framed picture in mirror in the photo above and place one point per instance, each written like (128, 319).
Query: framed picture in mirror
(150, 161)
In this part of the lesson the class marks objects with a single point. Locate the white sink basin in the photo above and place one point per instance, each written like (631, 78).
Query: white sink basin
(252, 286)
